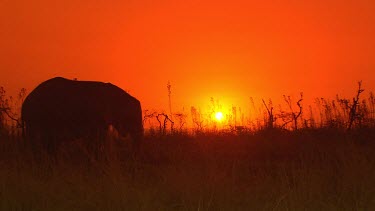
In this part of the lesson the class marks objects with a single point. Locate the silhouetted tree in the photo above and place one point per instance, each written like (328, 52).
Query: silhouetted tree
(353, 114)
(292, 115)
(271, 118)
(196, 117)
(8, 111)
(353, 107)
(169, 99)
(163, 119)
(371, 102)
(181, 117)
(3, 109)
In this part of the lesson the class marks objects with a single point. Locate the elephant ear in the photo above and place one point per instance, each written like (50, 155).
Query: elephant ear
(113, 108)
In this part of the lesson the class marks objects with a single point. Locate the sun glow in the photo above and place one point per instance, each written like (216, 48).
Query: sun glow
(219, 116)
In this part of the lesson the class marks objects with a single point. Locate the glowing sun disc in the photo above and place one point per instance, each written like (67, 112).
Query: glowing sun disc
(219, 116)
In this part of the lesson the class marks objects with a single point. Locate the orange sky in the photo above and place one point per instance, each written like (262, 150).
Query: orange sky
(229, 50)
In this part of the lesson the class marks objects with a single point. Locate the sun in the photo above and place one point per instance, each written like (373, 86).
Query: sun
(219, 116)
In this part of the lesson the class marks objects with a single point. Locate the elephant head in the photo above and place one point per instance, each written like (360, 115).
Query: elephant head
(125, 113)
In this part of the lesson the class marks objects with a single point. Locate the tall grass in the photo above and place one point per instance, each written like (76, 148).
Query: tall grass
(266, 170)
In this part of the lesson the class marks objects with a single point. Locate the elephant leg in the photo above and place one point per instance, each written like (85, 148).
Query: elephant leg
(94, 144)
(136, 138)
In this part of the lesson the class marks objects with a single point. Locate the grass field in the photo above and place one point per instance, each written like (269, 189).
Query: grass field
(267, 170)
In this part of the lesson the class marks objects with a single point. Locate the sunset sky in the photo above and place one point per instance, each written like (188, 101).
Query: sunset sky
(229, 50)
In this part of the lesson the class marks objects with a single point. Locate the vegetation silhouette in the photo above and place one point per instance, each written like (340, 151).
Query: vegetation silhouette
(293, 159)
(60, 109)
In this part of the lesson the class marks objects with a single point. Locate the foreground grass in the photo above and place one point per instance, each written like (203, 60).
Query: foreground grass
(304, 170)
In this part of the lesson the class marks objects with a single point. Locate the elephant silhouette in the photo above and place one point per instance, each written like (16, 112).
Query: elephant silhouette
(60, 109)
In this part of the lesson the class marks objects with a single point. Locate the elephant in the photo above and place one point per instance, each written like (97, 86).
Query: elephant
(61, 109)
